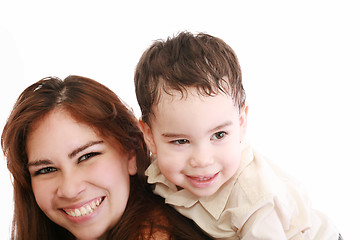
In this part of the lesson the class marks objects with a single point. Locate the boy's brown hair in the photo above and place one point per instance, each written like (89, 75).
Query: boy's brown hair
(187, 60)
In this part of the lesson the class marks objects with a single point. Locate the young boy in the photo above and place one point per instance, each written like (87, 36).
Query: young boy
(194, 118)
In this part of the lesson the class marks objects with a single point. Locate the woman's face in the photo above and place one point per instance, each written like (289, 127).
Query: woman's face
(80, 181)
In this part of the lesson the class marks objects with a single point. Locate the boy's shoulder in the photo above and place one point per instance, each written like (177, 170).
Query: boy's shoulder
(261, 180)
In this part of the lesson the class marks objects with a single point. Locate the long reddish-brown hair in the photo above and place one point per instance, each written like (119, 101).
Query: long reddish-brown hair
(94, 104)
(87, 101)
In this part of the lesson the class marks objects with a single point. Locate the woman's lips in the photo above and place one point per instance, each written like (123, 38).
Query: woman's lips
(85, 209)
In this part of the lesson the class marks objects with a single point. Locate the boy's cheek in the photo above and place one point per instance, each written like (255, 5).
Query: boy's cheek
(168, 166)
(165, 157)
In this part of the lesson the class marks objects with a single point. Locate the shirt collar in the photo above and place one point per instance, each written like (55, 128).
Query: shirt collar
(214, 204)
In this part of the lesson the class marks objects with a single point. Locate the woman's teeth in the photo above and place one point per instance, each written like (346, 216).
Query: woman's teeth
(84, 210)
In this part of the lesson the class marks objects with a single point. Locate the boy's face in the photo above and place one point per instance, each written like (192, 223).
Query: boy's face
(197, 140)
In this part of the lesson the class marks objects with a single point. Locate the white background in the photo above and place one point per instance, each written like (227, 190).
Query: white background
(300, 62)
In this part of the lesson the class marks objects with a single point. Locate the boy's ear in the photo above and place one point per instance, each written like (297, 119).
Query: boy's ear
(148, 136)
(243, 119)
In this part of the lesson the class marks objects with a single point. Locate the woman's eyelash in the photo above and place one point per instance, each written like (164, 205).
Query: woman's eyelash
(87, 156)
(45, 170)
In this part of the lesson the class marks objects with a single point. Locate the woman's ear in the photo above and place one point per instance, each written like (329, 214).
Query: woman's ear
(148, 136)
(132, 167)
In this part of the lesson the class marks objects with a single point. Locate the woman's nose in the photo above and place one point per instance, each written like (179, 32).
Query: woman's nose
(70, 186)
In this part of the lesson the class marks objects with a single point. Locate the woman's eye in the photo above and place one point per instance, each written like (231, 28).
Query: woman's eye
(218, 135)
(180, 141)
(45, 170)
(87, 156)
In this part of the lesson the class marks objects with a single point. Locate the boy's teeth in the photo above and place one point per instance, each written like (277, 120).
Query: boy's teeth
(84, 210)
(202, 178)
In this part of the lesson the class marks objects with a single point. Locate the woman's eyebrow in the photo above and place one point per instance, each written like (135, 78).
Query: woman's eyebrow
(39, 163)
(174, 135)
(83, 147)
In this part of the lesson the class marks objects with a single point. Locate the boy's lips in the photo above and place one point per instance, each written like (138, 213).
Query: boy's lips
(84, 209)
(202, 181)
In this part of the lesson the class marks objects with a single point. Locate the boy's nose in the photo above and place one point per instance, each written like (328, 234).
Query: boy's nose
(201, 158)
(70, 186)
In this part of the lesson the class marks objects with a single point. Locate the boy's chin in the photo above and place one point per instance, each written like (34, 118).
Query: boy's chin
(203, 193)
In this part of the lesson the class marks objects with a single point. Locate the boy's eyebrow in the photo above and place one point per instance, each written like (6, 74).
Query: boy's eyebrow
(177, 135)
(225, 124)
(83, 147)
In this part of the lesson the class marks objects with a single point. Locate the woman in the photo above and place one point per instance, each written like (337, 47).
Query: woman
(78, 159)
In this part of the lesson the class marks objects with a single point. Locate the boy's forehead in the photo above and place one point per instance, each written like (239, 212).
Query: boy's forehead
(182, 109)
(174, 98)
(167, 96)
(181, 91)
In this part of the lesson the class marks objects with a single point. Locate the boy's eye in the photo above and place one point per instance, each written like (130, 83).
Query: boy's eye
(45, 170)
(87, 156)
(180, 141)
(218, 135)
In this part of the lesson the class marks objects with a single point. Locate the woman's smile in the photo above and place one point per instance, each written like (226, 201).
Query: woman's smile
(88, 177)
(83, 212)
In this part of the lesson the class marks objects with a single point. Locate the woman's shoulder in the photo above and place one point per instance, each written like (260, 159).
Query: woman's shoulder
(164, 222)
(156, 225)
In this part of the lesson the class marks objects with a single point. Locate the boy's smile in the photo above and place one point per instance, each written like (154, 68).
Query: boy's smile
(197, 139)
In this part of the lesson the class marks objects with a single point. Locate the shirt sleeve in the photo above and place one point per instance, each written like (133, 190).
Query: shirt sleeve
(268, 205)
(268, 223)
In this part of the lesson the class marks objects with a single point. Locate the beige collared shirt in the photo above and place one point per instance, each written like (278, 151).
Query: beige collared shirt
(258, 202)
